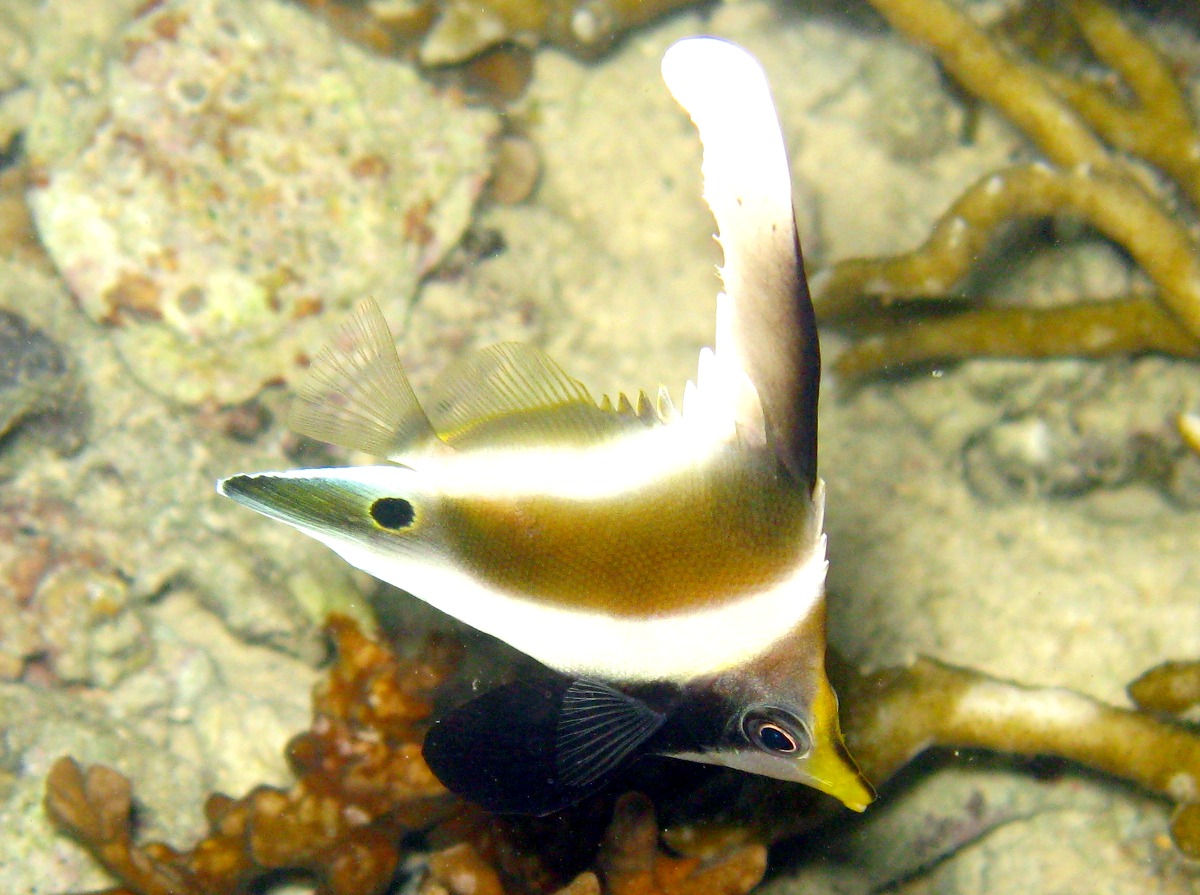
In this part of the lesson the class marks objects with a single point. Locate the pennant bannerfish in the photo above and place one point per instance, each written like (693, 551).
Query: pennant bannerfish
(666, 567)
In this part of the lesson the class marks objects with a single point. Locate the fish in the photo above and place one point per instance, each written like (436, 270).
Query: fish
(665, 567)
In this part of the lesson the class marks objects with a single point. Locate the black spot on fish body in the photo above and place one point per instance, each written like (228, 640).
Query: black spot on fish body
(393, 513)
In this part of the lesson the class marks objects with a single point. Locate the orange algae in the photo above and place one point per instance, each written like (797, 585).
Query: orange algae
(364, 801)
(361, 787)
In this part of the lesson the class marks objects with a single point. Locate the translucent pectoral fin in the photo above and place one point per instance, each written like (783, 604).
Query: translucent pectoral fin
(599, 728)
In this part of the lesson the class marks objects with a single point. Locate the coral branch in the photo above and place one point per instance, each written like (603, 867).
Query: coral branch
(460, 870)
(1083, 130)
(362, 786)
(630, 862)
(94, 806)
(1015, 87)
(1170, 688)
(1116, 206)
(1159, 127)
(1127, 326)
(900, 712)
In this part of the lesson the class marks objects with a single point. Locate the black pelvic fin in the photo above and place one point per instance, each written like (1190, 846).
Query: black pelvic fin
(536, 747)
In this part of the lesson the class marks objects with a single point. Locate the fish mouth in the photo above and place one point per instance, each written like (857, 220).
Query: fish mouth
(828, 768)
(831, 770)
(317, 501)
(306, 501)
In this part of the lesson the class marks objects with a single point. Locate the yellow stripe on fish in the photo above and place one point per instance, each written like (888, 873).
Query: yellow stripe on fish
(664, 549)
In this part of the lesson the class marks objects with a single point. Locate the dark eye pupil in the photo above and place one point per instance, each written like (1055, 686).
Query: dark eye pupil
(775, 739)
(393, 513)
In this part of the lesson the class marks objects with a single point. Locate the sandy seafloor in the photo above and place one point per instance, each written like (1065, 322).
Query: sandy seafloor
(610, 267)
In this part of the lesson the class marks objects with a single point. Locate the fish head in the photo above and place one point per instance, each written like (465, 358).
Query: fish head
(377, 518)
(796, 742)
(776, 717)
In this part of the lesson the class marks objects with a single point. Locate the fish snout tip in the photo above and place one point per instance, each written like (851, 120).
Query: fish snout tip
(228, 486)
(242, 486)
(831, 770)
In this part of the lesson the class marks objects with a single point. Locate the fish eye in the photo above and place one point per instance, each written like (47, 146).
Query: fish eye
(777, 732)
(393, 513)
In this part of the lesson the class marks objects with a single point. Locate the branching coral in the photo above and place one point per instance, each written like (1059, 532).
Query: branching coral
(899, 712)
(630, 862)
(1085, 131)
(1092, 329)
(1172, 689)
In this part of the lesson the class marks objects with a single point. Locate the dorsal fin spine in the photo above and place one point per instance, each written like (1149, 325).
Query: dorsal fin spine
(665, 406)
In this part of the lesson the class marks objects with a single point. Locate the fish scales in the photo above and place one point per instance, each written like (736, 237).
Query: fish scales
(662, 549)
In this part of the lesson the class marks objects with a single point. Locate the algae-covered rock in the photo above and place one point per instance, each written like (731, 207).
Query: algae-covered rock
(34, 376)
(249, 171)
(587, 27)
(136, 501)
(37, 725)
(69, 617)
(49, 39)
(208, 713)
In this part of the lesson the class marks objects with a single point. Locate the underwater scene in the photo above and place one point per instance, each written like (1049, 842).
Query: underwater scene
(569, 596)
